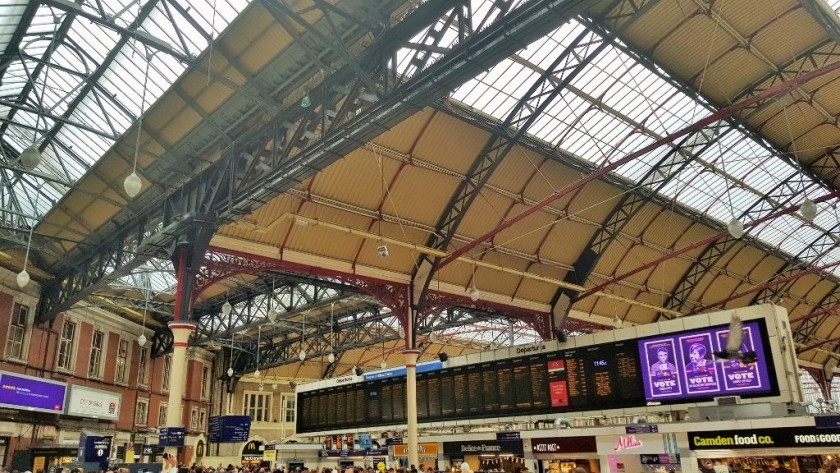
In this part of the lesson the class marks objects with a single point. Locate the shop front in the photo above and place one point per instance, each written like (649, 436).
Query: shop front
(486, 455)
(252, 453)
(641, 452)
(770, 450)
(427, 454)
(564, 454)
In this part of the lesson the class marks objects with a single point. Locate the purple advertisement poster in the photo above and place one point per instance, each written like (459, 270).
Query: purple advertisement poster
(662, 376)
(701, 375)
(33, 394)
(682, 365)
(739, 376)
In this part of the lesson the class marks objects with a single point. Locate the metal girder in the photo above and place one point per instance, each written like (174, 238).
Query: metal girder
(162, 341)
(289, 299)
(13, 47)
(139, 238)
(552, 81)
(305, 140)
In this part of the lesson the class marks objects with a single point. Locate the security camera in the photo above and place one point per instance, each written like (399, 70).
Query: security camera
(383, 251)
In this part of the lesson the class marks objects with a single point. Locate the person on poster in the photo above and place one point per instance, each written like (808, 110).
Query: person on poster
(698, 363)
(663, 368)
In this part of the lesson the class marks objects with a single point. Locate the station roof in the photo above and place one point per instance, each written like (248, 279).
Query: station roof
(649, 239)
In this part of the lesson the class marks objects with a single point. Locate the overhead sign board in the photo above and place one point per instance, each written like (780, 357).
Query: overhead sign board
(171, 437)
(96, 403)
(229, 429)
(399, 372)
(32, 394)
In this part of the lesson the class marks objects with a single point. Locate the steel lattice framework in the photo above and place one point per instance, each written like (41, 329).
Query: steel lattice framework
(296, 143)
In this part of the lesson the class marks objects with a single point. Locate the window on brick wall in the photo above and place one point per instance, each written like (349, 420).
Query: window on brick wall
(97, 343)
(257, 405)
(65, 345)
(143, 367)
(141, 412)
(164, 406)
(121, 375)
(167, 367)
(17, 332)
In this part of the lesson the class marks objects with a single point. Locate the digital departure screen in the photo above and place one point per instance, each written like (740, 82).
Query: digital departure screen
(612, 375)
(681, 366)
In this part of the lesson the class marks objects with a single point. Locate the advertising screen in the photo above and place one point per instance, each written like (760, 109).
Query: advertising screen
(682, 365)
(24, 392)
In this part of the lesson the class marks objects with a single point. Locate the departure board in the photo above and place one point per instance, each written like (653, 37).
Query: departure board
(610, 375)
(476, 398)
(447, 395)
(460, 390)
(435, 411)
(422, 397)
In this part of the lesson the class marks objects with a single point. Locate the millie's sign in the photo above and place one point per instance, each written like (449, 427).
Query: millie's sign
(627, 442)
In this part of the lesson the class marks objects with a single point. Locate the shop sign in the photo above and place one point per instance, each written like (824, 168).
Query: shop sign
(422, 449)
(270, 455)
(827, 422)
(507, 436)
(563, 445)
(783, 437)
(627, 442)
(659, 459)
(641, 429)
(479, 447)
(89, 402)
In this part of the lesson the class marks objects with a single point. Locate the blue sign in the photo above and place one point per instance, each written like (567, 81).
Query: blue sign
(32, 394)
(827, 422)
(171, 437)
(229, 429)
(400, 372)
(641, 429)
(94, 449)
(365, 442)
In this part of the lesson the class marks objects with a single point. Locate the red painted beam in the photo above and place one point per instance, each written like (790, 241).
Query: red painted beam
(726, 112)
(698, 244)
(771, 283)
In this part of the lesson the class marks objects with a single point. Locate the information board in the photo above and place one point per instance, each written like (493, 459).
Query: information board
(231, 429)
(681, 366)
(614, 374)
(32, 394)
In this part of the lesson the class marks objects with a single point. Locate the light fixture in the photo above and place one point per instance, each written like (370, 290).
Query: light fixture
(257, 373)
(735, 228)
(141, 340)
(261, 386)
(272, 312)
(22, 279)
(272, 315)
(132, 183)
(30, 157)
(357, 371)
(305, 102)
(302, 355)
(259, 336)
(274, 386)
(617, 322)
(433, 337)
(808, 210)
(331, 358)
(383, 364)
(382, 250)
(230, 372)
(227, 308)
(443, 357)
(475, 294)
(23, 276)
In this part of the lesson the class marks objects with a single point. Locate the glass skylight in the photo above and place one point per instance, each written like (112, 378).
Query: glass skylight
(615, 106)
(84, 118)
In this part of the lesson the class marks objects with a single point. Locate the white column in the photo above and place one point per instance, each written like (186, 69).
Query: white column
(181, 332)
(411, 404)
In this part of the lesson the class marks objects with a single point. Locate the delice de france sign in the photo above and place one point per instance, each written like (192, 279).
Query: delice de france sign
(89, 402)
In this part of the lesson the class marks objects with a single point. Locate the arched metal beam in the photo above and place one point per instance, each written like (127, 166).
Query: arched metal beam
(551, 82)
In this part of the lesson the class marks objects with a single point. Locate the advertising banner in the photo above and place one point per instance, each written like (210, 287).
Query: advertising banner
(682, 365)
(32, 394)
(96, 403)
(423, 449)
(783, 437)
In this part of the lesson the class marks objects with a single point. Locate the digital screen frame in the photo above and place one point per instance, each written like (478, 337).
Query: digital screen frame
(681, 366)
(28, 393)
